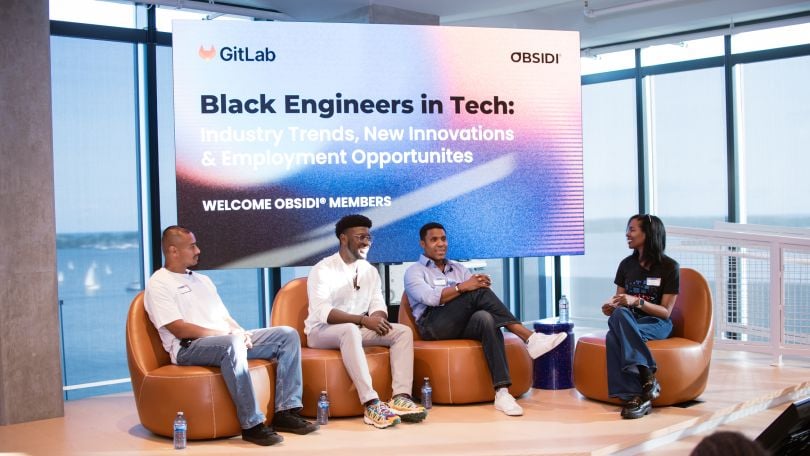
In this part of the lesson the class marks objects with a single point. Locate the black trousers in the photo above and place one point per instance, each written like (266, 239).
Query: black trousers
(477, 315)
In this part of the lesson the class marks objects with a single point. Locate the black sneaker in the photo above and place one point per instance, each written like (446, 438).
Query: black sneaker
(636, 407)
(650, 388)
(261, 435)
(289, 421)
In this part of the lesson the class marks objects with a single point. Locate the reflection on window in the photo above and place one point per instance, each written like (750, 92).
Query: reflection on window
(611, 196)
(774, 118)
(682, 51)
(772, 38)
(593, 62)
(687, 146)
(98, 242)
(93, 12)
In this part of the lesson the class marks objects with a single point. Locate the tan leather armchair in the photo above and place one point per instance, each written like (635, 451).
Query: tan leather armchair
(323, 369)
(161, 389)
(683, 359)
(457, 368)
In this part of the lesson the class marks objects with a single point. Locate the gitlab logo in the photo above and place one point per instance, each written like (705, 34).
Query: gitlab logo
(207, 54)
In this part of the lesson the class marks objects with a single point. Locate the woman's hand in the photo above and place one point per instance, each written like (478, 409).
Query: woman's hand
(625, 300)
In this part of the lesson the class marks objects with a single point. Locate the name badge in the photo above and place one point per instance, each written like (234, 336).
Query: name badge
(183, 289)
(440, 282)
(653, 281)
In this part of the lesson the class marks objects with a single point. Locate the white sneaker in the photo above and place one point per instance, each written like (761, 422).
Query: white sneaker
(540, 344)
(506, 403)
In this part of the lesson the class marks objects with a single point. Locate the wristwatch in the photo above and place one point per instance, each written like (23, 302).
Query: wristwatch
(457, 290)
(640, 303)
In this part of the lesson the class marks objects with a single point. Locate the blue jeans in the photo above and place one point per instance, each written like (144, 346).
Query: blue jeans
(627, 349)
(478, 315)
(231, 356)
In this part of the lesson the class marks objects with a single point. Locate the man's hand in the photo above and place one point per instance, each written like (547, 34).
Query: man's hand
(377, 324)
(608, 308)
(246, 335)
(475, 282)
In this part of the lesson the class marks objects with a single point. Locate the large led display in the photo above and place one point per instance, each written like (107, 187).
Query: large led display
(283, 128)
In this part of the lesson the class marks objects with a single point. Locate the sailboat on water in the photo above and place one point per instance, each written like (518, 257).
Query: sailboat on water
(90, 280)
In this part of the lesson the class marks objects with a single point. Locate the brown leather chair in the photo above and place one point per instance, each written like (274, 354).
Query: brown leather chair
(323, 370)
(161, 389)
(683, 359)
(457, 368)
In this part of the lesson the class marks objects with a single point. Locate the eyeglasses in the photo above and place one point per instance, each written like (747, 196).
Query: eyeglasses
(363, 237)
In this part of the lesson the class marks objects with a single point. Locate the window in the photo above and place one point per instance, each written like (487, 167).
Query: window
(610, 61)
(611, 195)
(773, 133)
(687, 147)
(93, 12)
(96, 187)
(683, 50)
(770, 38)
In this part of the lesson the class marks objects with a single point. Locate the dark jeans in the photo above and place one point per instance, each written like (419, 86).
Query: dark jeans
(627, 349)
(477, 315)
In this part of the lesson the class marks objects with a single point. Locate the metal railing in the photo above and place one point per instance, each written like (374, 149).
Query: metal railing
(760, 282)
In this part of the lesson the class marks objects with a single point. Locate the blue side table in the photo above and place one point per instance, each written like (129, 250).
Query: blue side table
(554, 370)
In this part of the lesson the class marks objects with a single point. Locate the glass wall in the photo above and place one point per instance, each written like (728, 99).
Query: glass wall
(687, 147)
(665, 152)
(611, 195)
(97, 218)
(773, 135)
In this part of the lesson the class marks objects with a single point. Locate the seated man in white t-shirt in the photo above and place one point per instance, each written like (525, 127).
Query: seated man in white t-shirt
(197, 330)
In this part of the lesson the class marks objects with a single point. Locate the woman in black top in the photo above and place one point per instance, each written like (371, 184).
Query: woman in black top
(647, 285)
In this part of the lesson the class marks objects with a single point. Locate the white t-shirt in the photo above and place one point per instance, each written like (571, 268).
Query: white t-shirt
(331, 285)
(191, 297)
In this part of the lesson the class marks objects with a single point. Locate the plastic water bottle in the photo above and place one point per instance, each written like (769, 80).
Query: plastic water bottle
(564, 314)
(180, 428)
(323, 408)
(427, 394)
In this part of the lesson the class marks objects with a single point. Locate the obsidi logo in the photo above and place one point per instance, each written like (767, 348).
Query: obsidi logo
(534, 57)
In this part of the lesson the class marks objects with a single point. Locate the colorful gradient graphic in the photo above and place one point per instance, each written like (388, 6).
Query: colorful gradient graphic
(405, 124)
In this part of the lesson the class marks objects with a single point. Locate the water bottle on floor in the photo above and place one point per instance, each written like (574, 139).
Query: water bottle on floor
(564, 313)
(180, 428)
(427, 394)
(323, 408)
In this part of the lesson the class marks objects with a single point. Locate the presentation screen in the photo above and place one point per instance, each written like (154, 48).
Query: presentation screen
(283, 128)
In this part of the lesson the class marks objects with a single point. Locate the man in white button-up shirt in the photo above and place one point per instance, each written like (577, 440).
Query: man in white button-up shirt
(347, 311)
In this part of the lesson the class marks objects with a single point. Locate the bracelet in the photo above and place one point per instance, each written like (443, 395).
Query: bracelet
(457, 290)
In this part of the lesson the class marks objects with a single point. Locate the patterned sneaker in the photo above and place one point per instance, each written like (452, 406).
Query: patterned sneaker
(379, 415)
(404, 406)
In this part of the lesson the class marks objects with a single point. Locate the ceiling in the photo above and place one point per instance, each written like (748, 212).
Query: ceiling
(633, 19)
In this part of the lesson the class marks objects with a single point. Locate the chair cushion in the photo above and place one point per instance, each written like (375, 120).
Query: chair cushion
(459, 373)
(323, 370)
(682, 369)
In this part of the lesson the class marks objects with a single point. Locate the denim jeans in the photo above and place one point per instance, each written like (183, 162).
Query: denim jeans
(627, 349)
(478, 315)
(230, 355)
